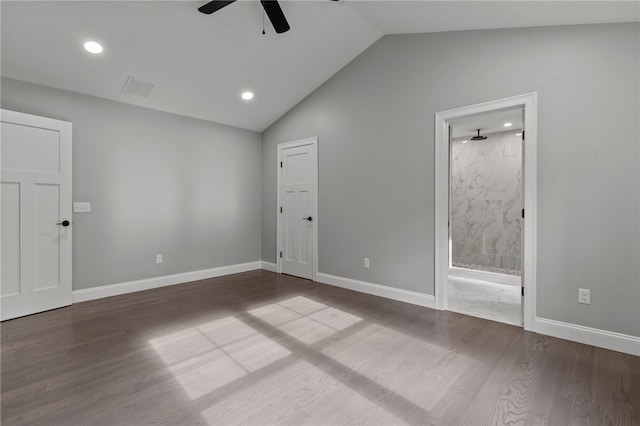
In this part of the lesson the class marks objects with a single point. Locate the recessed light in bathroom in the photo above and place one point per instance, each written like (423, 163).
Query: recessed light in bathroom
(508, 124)
(93, 47)
(247, 96)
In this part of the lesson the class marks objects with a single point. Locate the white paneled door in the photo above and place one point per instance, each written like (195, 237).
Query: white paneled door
(298, 173)
(35, 159)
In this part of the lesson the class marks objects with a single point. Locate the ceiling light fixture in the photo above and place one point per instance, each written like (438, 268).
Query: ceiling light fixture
(247, 96)
(93, 47)
(508, 124)
(478, 138)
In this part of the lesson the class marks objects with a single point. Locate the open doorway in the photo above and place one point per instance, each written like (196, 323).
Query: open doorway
(524, 106)
(486, 201)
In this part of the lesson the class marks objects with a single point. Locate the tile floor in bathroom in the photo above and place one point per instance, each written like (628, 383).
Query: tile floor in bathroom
(497, 302)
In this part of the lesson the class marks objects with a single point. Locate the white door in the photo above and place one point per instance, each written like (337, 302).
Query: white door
(298, 221)
(35, 159)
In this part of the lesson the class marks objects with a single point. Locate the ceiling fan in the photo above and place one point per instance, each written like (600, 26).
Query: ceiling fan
(271, 8)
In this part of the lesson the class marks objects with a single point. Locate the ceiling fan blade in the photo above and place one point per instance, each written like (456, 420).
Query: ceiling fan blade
(214, 6)
(274, 12)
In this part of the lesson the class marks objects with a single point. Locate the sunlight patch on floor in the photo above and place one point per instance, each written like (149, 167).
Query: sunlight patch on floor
(426, 371)
(307, 330)
(274, 314)
(302, 305)
(335, 318)
(304, 319)
(205, 373)
(212, 355)
(305, 395)
(182, 345)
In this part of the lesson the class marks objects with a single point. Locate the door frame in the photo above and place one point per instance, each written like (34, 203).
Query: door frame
(529, 102)
(282, 146)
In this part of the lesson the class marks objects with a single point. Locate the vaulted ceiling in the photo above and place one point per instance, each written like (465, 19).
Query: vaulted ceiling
(200, 64)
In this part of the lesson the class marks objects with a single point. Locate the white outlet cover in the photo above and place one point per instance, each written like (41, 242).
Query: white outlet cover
(81, 207)
(584, 296)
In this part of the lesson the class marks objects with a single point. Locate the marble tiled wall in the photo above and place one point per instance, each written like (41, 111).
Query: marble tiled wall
(486, 203)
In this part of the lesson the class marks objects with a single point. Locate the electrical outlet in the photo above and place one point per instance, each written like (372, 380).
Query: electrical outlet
(158, 258)
(366, 262)
(584, 296)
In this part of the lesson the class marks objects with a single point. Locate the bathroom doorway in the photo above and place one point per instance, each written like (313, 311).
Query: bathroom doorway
(490, 253)
(486, 201)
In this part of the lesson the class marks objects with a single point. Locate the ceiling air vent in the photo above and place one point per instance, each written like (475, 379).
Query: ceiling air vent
(134, 86)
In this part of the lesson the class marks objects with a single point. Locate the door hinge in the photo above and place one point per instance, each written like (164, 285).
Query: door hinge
(281, 164)
(280, 209)
(280, 254)
(523, 213)
(522, 291)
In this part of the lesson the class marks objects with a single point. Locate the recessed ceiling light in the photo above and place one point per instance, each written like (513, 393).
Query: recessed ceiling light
(247, 96)
(465, 141)
(93, 47)
(508, 124)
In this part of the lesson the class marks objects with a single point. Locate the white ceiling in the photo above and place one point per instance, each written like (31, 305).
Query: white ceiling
(201, 63)
(397, 17)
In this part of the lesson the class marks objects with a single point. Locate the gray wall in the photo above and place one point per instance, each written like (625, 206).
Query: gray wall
(486, 202)
(158, 183)
(374, 120)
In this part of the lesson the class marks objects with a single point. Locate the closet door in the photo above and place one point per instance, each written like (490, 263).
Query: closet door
(35, 158)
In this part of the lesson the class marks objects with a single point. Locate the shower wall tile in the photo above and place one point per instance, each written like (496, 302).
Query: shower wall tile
(486, 201)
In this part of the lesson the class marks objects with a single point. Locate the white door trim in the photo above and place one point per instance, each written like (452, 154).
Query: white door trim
(314, 143)
(529, 102)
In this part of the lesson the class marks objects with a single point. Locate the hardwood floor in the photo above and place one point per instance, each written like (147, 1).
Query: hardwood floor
(261, 348)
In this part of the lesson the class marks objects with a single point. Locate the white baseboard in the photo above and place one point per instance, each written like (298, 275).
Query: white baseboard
(590, 336)
(401, 295)
(268, 266)
(577, 333)
(492, 277)
(166, 280)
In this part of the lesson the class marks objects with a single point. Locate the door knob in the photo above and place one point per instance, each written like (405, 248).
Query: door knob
(64, 223)
(308, 218)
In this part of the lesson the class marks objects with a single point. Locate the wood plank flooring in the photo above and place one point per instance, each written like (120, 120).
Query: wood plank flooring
(260, 348)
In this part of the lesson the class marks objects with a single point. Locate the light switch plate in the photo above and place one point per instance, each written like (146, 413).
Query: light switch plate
(82, 207)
